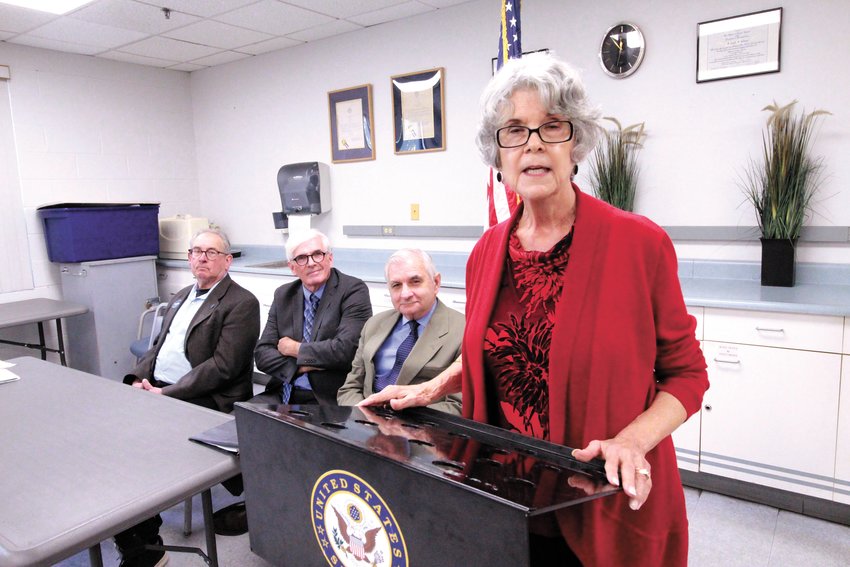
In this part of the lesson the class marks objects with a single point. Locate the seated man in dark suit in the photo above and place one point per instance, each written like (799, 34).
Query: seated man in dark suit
(390, 352)
(202, 355)
(313, 326)
(309, 339)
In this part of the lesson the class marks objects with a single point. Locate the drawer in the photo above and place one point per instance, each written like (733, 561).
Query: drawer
(821, 333)
(454, 298)
(172, 280)
(379, 295)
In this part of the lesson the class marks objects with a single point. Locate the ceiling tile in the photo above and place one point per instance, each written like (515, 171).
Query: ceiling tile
(131, 15)
(140, 59)
(273, 17)
(216, 31)
(392, 13)
(167, 48)
(217, 34)
(343, 8)
(85, 33)
(14, 19)
(187, 67)
(55, 45)
(203, 8)
(223, 57)
(322, 31)
(270, 45)
(443, 3)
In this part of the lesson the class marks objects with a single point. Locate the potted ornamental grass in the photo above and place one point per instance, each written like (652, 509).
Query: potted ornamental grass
(781, 187)
(614, 172)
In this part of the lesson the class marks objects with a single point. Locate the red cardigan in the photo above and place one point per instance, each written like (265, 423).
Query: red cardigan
(622, 333)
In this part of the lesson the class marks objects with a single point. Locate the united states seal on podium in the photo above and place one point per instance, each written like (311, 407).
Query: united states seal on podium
(353, 524)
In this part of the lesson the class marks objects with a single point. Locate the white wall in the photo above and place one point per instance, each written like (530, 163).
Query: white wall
(94, 130)
(252, 116)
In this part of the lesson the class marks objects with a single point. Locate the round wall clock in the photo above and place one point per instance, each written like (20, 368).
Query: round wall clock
(622, 50)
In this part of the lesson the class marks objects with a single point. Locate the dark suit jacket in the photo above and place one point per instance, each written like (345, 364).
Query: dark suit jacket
(344, 308)
(218, 345)
(433, 352)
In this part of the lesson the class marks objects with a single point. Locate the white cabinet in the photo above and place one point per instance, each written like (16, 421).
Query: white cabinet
(454, 298)
(771, 414)
(686, 438)
(842, 446)
(846, 349)
(379, 295)
(171, 280)
(263, 288)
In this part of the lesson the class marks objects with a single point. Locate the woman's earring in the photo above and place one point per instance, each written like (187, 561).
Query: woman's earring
(499, 176)
(575, 169)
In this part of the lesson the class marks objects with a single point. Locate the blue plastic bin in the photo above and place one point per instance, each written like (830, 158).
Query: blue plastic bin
(81, 232)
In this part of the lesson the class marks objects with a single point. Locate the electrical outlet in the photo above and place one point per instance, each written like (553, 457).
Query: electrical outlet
(414, 211)
(387, 231)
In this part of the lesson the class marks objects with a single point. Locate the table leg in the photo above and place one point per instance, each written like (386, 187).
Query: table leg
(209, 527)
(95, 557)
(61, 342)
(41, 340)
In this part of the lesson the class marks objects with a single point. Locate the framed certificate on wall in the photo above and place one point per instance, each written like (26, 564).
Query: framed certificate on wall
(419, 123)
(739, 46)
(352, 131)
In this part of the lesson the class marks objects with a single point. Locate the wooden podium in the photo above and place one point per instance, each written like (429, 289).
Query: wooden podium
(349, 487)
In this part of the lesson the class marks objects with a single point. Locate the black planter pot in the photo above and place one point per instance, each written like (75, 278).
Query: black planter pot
(777, 262)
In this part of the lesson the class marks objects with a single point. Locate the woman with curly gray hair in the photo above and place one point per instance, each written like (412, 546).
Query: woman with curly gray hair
(576, 329)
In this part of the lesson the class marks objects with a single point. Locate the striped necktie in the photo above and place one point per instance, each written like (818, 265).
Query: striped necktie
(309, 318)
(400, 356)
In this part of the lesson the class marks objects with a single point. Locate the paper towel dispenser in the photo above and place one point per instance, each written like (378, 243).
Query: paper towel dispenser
(304, 188)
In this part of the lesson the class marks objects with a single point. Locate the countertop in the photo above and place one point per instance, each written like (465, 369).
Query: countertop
(821, 289)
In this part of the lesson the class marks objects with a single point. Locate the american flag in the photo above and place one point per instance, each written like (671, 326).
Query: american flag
(501, 200)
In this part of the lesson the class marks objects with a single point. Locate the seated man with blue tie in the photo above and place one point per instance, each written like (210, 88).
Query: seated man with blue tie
(416, 341)
(313, 326)
(308, 342)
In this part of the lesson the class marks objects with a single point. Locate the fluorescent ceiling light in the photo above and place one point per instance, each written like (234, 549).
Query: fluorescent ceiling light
(52, 6)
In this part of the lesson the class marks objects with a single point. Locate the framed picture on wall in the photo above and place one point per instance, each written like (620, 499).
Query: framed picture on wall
(739, 46)
(352, 131)
(419, 123)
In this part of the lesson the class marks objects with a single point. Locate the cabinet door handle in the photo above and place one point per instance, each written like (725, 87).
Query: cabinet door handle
(459, 301)
(724, 361)
(769, 330)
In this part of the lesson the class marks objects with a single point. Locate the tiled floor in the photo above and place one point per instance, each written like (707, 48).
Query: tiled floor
(725, 532)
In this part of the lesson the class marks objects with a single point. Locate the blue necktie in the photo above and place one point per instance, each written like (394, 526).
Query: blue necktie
(309, 317)
(400, 356)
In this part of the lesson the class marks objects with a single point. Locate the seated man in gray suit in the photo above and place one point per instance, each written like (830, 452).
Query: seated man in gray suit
(202, 355)
(413, 343)
(313, 326)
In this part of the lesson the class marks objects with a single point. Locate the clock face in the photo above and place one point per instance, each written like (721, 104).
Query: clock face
(622, 50)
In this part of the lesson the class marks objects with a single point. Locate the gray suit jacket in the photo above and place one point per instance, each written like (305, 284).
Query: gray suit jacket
(218, 345)
(434, 351)
(344, 308)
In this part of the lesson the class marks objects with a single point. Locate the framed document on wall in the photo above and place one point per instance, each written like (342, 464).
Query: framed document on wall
(739, 46)
(352, 131)
(419, 121)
